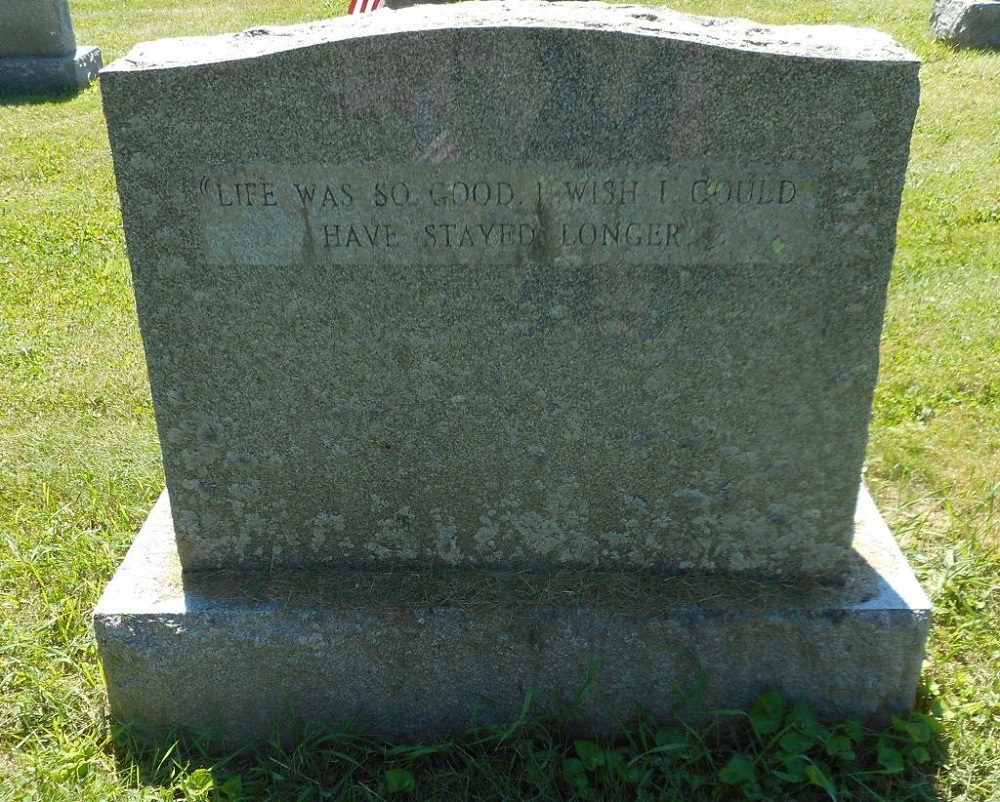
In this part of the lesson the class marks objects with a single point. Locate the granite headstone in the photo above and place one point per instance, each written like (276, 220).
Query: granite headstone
(547, 297)
(463, 291)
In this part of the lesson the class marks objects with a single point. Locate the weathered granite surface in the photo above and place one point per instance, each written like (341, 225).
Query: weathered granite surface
(419, 655)
(512, 284)
(38, 50)
(967, 23)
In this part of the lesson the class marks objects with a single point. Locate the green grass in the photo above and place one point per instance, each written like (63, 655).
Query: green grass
(79, 468)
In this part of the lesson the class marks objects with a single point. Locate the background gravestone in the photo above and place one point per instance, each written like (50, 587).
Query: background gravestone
(967, 23)
(38, 49)
(466, 290)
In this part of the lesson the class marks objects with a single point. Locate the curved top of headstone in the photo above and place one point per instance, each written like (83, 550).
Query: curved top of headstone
(806, 41)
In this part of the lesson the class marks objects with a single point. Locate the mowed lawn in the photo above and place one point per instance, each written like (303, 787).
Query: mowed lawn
(79, 469)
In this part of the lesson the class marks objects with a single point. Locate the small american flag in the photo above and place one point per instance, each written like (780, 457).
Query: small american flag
(442, 150)
(434, 144)
(363, 6)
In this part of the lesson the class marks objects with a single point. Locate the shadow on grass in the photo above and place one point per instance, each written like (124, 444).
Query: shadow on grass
(327, 764)
(775, 751)
(35, 97)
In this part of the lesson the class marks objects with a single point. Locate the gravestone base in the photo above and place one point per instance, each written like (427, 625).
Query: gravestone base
(419, 655)
(46, 73)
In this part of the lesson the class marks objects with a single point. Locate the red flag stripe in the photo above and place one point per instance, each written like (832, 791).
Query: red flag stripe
(441, 151)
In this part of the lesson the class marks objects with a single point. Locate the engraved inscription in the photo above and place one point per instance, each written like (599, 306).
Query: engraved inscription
(282, 215)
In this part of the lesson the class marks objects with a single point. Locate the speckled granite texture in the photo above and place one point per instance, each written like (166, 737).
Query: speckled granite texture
(514, 284)
(420, 655)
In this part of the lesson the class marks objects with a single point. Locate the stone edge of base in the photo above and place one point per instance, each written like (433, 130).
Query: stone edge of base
(50, 73)
(241, 663)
